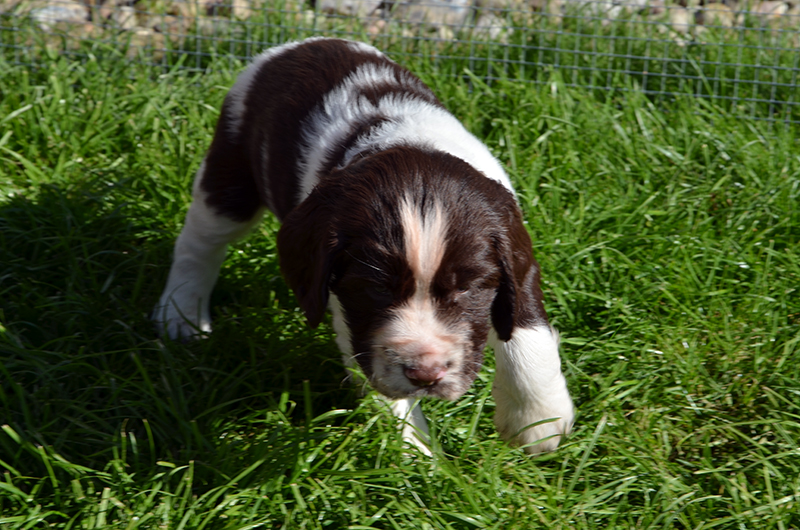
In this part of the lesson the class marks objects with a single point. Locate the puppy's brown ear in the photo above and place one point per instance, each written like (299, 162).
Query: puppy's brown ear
(307, 247)
(518, 302)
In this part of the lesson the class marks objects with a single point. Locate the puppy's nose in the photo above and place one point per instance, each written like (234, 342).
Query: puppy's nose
(425, 375)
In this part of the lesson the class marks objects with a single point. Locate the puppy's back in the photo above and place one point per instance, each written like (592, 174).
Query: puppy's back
(261, 144)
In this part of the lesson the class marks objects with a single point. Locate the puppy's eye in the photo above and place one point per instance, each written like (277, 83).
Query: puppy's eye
(380, 290)
(461, 292)
(379, 293)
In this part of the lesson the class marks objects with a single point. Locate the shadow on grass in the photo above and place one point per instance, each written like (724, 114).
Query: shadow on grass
(80, 361)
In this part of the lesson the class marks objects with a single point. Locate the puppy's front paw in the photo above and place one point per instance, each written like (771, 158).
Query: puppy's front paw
(538, 424)
(175, 323)
(413, 423)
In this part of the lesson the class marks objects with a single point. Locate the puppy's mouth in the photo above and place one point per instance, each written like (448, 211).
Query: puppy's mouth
(397, 377)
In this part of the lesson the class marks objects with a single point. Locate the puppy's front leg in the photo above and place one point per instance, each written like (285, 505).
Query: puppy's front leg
(407, 411)
(529, 388)
(414, 424)
(183, 309)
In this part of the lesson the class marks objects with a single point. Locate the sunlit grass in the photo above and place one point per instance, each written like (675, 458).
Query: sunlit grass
(668, 240)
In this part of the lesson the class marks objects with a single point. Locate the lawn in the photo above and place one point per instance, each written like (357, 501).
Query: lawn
(669, 240)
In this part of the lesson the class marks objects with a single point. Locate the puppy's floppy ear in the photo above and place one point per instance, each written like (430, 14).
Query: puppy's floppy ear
(518, 302)
(307, 247)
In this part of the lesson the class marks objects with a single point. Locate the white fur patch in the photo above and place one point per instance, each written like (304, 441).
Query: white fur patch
(363, 47)
(199, 252)
(529, 388)
(409, 121)
(329, 124)
(424, 237)
(416, 122)
(342, 331)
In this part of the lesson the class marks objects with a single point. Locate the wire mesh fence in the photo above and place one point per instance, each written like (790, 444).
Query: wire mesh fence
(742, 55)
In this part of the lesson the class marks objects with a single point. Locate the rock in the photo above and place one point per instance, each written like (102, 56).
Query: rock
(104, 12)
(124, 17)
(146, 42)
(681, 20)
(498, 18)
(500, 5)
(552, 9)
(354, 8)
(376, 28)
(607, 9)
(491, 27)
(439, 15)
(173, 27)
(240, 9)
(715, 15)
(679, 24)
(219, 27)
(48, 14)
(170, 17)
(637, 6)
(182, 8)
(771, 12)
(67, 36)
(656, 8)
(244, 9)
(792, 18)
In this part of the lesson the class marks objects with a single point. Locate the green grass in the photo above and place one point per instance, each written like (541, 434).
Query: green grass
(668, 240)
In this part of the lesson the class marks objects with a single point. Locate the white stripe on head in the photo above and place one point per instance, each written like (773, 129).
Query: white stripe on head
(424, 237)
(415, 332)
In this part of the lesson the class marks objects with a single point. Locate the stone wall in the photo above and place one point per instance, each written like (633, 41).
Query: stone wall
(156, 24)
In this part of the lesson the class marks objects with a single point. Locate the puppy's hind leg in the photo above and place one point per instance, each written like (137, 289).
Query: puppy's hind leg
(183, 309)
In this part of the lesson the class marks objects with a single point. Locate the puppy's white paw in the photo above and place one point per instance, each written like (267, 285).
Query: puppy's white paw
(181, 321)
(537, 423)
(413, 439)
(529, 389)
(413, 423)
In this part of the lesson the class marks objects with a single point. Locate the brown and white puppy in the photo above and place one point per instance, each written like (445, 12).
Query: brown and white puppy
(395, 217)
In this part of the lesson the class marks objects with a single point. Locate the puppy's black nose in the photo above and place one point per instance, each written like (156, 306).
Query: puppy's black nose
(425, 375)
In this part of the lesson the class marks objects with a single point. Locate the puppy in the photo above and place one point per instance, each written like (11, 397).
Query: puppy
(394, 217)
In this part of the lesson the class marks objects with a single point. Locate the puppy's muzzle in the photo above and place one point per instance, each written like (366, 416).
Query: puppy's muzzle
(425, 376)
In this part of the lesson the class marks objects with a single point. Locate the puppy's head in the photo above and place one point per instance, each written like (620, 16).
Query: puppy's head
(425, 255)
